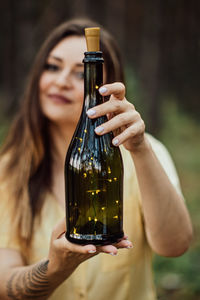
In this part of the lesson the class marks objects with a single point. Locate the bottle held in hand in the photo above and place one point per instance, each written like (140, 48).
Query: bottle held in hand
(93, 167)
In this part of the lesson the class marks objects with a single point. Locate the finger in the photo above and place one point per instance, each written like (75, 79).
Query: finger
(124, 244)
(137, 129)
(109, 249)
(59, 229)
(66, 245)
(117, 89)
(116, 122)
(109, 107)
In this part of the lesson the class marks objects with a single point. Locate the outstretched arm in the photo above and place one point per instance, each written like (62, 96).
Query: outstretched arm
(38, 281)
(166, 218)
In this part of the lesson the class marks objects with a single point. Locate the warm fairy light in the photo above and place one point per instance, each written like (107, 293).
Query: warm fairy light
(79, 149)
(96, 87)
(117, 201)
(109, 170)
(85, 130)
(94, 192)
(90, 163)
(115, 178)
(103, 208)
(89, 218)
(91, 158)
(110, 180)
(95, 219)
(115, 217)
(80, 139)
(84, 175)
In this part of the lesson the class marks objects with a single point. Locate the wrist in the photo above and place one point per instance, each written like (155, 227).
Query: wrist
(142, 149)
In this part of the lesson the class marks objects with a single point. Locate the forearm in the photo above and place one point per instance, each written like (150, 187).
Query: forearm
(167, 222)
(28, 282)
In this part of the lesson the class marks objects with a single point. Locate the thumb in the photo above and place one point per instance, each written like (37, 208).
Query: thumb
(59, 229)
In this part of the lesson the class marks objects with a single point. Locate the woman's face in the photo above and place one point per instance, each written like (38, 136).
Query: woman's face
(61, 85)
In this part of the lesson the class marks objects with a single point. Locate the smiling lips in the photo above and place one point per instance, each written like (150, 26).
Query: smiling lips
(59, 99)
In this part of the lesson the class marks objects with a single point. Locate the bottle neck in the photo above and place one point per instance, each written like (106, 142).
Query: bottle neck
(93, 79)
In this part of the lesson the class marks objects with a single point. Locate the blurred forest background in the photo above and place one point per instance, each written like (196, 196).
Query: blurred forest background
(160, 42)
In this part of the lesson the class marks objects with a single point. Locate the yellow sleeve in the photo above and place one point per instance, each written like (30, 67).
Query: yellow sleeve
(166, 161)
(7, 231)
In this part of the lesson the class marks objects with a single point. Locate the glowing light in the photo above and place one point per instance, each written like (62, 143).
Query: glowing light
(115, 178)
(103, 208)
(85, 130)
(109, 170)
(92, 193)
(84, 175)
(95, 219)
(96, 87)
(110, 180)
(74, 230)
(80, 139)
(89, 218)
(117, 201)
(115, 217)
(91, 158)
(90, 163)
(79, 149)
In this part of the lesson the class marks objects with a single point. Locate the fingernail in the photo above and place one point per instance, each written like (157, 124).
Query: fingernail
(102, 90)
(99, 129)
(115, 142)
(91, 251)
(129, 247)
(91, 112)
(112, 253)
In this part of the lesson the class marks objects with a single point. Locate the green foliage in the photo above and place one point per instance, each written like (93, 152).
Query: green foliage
(179, 278)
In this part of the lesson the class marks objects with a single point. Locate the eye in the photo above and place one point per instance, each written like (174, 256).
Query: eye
(51, 67)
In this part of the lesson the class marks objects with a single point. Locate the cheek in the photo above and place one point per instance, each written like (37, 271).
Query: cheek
(44, 82)
(80, 91)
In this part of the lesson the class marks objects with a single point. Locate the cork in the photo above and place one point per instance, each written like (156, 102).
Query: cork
(92, 35)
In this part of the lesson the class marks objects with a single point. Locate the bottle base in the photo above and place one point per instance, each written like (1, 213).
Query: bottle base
(98, 239)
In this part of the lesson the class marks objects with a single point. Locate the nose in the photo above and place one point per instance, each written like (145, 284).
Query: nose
(64, 79)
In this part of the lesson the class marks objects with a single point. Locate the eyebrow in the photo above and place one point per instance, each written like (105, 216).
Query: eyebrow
(61, 60)
(56, 58)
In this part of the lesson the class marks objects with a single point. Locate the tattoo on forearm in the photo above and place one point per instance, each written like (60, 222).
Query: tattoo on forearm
(31, 284)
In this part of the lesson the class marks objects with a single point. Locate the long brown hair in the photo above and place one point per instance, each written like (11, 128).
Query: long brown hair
(26, 153)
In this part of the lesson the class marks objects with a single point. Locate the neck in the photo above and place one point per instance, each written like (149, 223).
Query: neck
(61, 137)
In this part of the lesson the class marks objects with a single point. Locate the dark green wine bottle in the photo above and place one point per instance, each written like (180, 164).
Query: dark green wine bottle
(93, 171)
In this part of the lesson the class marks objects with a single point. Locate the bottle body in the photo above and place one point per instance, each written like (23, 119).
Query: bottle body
(93, 172)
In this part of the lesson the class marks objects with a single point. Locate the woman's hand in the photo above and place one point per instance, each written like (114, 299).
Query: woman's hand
(64, 257)
(123, 119)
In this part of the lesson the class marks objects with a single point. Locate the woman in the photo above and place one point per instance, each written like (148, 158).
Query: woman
(36, 259)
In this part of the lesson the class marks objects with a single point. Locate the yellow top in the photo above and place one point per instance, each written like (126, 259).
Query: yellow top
(126, 276)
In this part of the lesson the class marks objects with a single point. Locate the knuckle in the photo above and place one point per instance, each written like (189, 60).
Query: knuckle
(122, 86)
(132, 130)
(117, 105)
(122, 118)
